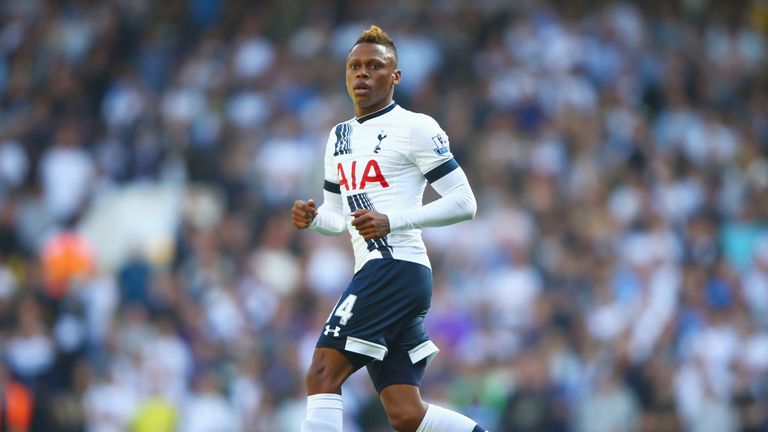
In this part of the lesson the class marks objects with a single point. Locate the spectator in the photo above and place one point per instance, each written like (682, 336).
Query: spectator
(18, 403)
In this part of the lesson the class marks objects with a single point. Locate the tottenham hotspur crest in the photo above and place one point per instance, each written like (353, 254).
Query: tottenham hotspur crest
(381, 137)
(441, 143)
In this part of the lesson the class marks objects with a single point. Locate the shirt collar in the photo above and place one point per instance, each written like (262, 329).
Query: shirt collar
(375, 114)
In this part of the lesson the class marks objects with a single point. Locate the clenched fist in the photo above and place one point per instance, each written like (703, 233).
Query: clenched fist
(303, 213)
(370, 224)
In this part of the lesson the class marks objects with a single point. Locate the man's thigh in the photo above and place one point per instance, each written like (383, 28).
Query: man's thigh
(410, 352)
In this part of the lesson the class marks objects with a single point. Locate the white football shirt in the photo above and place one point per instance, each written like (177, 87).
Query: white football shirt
(382, 162)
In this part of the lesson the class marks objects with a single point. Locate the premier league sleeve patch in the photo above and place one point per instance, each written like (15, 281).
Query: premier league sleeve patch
(441, 144)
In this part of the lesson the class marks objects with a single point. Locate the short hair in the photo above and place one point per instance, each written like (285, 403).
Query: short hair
(376, 35)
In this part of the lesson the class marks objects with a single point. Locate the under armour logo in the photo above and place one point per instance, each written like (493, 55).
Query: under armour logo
(329, 330)
(381, 138)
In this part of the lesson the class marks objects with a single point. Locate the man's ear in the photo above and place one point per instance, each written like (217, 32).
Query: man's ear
(396, 76)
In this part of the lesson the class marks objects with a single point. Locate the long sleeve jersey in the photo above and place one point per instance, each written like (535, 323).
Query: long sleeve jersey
(382, 162)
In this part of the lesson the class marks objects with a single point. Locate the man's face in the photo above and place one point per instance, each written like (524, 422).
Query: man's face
(371, 75)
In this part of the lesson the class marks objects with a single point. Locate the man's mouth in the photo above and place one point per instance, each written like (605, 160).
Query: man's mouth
(360, 88)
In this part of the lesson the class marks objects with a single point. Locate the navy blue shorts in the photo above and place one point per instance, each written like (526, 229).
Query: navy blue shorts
(378, 322)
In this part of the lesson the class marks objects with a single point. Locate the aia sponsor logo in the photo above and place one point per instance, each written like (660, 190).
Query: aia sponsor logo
(351, 179)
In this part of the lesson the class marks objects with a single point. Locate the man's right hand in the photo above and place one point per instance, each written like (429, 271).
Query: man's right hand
(303, 213)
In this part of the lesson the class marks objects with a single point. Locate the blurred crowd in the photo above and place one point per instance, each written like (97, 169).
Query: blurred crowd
(615, 278)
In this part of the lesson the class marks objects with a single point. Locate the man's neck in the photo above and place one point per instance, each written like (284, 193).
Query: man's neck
(360, 116)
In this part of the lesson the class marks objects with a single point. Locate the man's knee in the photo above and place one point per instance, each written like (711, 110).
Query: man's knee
(328, 371)
(321, 379)
(405, 418)
(404, 407)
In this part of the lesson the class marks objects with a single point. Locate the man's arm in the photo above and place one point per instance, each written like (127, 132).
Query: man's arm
(430, 152)
(330, 219)
(456, 203)
(326, 220)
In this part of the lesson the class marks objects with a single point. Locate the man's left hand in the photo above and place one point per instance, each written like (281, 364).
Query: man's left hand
(370, 224)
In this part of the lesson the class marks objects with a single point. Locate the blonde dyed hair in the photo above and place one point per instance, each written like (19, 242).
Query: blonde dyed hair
(376, 35)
